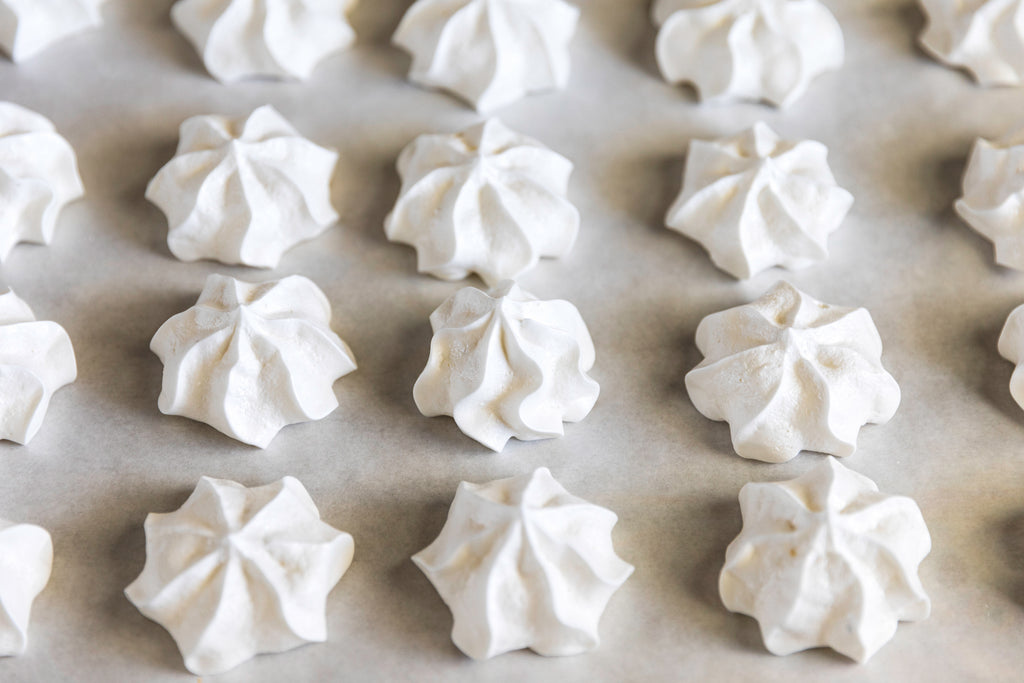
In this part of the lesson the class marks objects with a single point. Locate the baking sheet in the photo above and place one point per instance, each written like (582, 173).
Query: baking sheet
(899, 127)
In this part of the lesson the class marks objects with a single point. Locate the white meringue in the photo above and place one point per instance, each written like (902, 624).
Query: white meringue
(236, 572)
(986, 37)
(489, 52)
(38, 177)
(36, 359)
(789, 373)
(244, 191)
(505, 364)
(826, 560)
(521, 563)
(26, 556)
(486, 200)
(993, 201)
(1011, 347)
(755, 201)
(27, 27)
(271, 38)
(761, 50)
(251, 358)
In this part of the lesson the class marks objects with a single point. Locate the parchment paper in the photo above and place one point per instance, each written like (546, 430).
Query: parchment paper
(899, 127)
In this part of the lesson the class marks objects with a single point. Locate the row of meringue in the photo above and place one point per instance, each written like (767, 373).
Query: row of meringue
(822, 560)
(249, 359)
(493, 52)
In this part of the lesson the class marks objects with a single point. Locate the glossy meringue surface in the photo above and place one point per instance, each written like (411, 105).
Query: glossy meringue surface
(490, 53)
(759, 50)
(251, 358)
(236, 572)
(825, 560)
(985, 37)
(521, 562)
(505, 364)
(286, 39)
(38, 177)
(27, 27)
(244, 191)
(755, 201)
(486, 200)
(790, 373)
(26, 558)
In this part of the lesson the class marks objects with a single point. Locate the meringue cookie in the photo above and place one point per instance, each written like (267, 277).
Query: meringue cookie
(251, 358)
(236, 572)
(36, 359)
(522, 563)
(27, 27)
(26, 556)
(761, 50)
(489, 52)
(1011, 347)
(994, 196)
(505, 364)
(486, 200)
(789, 373)
(38, 177)
(826, 560)
(755, 201)
(270, 38)
(244, 191)
(986, 37)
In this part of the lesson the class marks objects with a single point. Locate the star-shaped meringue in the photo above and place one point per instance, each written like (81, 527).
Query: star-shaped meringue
(244, 191)
(489, 52)
(826, 560)
(760, 50)
(36, 359)
(755, 201)
(790, 373)
(38, 177)
(986, 37)
(26, 556)
(504, 364)
(237, 572)
(27, 27)
(993, 201)
(264, 38)
(251, 358)
(487, 200)
(522, 563)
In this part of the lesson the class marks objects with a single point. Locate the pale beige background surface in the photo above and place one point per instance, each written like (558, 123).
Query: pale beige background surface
(899, 127)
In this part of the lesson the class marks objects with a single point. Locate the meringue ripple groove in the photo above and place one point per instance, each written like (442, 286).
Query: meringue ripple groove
(826, 560)
(264, 38)
(755, 201)
(993, 201)
(489, 52)
(249, 359)
(27, 27)
(26, 557)
(36, 359)
(486, 200)
(236, 572)
(789, 373)
(244, 192)
(522, 563)
(760, 50)
(38, 177)
(505, 364)
(986, 37)
(1011, 347)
